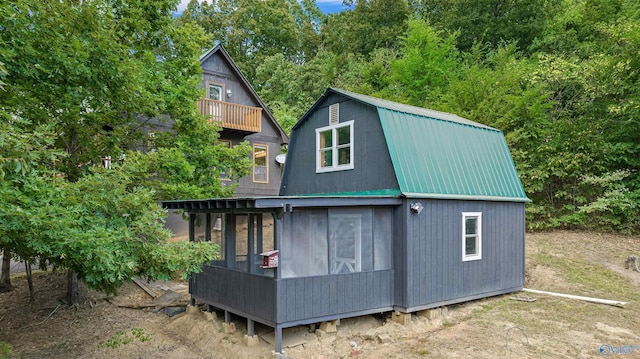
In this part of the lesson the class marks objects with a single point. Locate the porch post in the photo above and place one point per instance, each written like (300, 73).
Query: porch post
(259, 232)
(278, 227)
(230, 240)
(192, 227)
(278, 339)
(250, 238)
(207, 228)
(250, 327)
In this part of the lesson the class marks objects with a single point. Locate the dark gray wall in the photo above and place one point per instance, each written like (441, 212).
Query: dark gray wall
(372, 170)
(217, 69)
(432, 252)
(305, 299)
(339, 296)
(250, 295)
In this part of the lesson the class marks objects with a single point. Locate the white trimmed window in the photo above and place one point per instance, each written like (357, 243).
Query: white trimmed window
(334, 145)
(471, 236)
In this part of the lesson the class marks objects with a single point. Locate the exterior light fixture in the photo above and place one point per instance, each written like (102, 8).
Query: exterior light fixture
(228, 92)
(416, 208)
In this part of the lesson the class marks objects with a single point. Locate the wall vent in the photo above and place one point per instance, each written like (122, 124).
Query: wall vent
(334, 114)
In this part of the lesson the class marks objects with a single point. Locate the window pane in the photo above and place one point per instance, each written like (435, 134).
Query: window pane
(215, 92)
(260, 155)
(326, 139)
(260, 174)
(260, 170)
(470, 247)
(326, 158)
(471, 225)
(344, 155)
(344, 136)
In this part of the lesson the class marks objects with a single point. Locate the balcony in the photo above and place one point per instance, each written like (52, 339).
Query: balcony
(231, 116)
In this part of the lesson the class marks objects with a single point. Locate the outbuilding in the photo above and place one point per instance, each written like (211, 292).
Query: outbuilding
(382, 207)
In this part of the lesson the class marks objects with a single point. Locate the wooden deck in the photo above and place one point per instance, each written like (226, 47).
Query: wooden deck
(231, 116)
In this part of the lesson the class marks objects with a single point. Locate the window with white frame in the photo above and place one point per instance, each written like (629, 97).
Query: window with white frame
(334, 145)
(471, 236)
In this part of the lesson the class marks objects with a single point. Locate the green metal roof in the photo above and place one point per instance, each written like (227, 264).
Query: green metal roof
(446, 158)
(440, 155)
(408, 109)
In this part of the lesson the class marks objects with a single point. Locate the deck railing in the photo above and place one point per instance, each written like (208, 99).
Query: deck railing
(231, 115)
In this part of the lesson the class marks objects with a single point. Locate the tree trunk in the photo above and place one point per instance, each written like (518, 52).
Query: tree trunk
(5, 276)
(27, 269)
(74, 290)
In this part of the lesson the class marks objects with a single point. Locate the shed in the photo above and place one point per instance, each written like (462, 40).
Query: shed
(382, 207)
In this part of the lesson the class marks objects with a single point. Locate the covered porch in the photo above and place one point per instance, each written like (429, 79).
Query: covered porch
(334, 258)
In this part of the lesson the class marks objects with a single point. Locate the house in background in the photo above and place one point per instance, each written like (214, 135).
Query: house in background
(382, 207)
(233, 105)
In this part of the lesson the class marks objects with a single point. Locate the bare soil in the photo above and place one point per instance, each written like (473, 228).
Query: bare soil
(576, 263)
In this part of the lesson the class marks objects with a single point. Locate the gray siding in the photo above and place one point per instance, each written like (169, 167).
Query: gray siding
(372, 164)
(336, 296)
(242, 293)
(435, 272)
(299, 300)
(217, 70)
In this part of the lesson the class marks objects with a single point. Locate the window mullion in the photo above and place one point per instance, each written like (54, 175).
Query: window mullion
(334, 147)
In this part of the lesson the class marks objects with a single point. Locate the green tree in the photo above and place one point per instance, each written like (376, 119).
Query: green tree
(487, 22)
(91, 73)
(252, 30)
(371, 25)
(426, 64)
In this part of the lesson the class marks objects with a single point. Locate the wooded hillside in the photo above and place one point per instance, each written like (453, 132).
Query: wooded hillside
(559, 78)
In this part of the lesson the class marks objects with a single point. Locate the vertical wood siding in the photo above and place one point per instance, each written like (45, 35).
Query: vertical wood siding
(435, 270)
(372, 164)
(247, 294)
(301, 299)
(217, 70)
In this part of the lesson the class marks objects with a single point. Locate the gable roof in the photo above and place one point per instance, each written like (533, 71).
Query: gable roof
(440, 155)
(223, 52)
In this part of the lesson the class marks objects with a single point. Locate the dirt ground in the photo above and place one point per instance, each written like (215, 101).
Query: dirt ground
(576, 263)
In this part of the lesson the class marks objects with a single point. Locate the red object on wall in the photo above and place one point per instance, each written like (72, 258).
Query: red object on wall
(270, 259)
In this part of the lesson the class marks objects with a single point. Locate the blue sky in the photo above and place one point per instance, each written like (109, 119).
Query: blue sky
(327, 6)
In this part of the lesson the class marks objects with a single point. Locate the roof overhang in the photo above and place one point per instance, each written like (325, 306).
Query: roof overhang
(464, 197)
(275, 204)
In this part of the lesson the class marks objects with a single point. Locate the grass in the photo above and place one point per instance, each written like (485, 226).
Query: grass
(560, 327)
(593, 278)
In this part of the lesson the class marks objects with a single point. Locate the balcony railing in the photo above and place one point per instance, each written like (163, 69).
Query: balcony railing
(231, 115)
